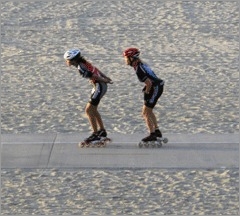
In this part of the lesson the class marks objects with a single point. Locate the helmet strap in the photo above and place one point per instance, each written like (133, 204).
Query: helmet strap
(133, 61)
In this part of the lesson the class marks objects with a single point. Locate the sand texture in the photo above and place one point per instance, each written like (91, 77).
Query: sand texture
(193, 46)
(121, 192)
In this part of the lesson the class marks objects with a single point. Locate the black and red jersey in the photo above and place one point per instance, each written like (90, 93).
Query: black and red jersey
(86, 70)
(143, 71)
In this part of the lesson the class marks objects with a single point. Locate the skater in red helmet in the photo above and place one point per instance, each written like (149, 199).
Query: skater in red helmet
(152, 90)
(99, 81)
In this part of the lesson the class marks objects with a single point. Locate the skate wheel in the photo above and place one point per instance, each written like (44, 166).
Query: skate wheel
(140, 145)
(107, 140)
(146, 145)
(103, 144)
(165, 140)
(99, 144)
(81, 145)
(153, 145)
(87, 145)
(159, 145)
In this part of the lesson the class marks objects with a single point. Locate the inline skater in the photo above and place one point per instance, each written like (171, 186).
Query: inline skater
(73, 57)
(152, 90)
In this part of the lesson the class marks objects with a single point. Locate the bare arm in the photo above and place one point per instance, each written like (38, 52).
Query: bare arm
(103, 75)
(148, 83)
(102, 78)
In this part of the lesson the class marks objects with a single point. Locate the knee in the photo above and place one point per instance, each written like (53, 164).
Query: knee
(88, 110)
(144, 112)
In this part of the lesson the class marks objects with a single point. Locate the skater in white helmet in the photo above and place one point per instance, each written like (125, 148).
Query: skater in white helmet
(152, 91)
(73, 57)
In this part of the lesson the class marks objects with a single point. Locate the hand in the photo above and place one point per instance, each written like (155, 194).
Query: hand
(91, 81)
(144, 90)
(109, 80)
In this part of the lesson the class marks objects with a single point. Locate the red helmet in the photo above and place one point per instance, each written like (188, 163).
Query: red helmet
(131, 52)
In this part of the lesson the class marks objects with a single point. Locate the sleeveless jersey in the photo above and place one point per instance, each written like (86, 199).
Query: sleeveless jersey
(143, 71)
(86, 70)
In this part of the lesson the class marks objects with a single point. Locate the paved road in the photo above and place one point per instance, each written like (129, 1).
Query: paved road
(61, 151)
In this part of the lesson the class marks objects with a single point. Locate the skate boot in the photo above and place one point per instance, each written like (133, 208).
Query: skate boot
(92, 140)
(102, 133)
(160, 137)
(158, 133)
(149, 140)
(103, 137)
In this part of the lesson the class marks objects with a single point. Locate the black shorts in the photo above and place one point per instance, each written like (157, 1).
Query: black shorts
(151, 99)
(98, 92)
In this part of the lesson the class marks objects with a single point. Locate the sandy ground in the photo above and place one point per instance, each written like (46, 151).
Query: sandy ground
(193, 46)
(121, 192)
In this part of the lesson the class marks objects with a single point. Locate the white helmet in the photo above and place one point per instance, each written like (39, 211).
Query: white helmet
(70, 54)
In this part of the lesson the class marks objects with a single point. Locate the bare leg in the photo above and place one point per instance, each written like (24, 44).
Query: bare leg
(90, 110)
(149, 118)
(154, 120)
(99, 120)
(94, 117)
